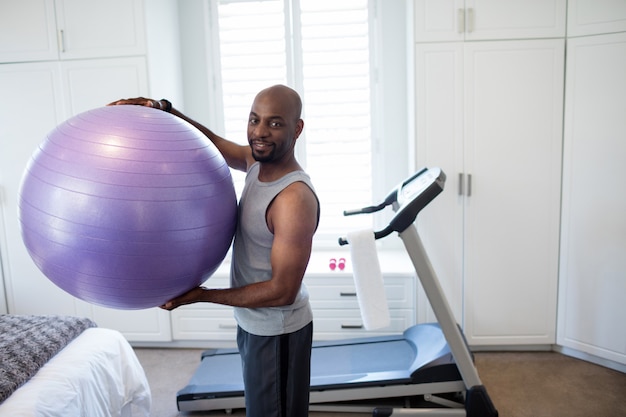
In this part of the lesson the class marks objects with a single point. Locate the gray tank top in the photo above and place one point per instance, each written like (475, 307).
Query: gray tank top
(251, 257)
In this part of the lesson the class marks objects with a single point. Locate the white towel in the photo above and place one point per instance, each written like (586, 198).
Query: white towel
(368, 280)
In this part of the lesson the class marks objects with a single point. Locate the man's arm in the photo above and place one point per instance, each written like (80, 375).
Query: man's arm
(237, 156)
(292, 218)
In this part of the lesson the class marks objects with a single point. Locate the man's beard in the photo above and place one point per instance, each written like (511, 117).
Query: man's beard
(268, 157)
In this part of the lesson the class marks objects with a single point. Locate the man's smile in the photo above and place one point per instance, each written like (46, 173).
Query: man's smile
(260, 145)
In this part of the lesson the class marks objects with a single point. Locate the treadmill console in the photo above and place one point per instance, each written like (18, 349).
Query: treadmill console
(414, 194)
(417, 184)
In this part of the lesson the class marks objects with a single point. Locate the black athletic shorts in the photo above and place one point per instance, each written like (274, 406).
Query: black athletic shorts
(276, 372)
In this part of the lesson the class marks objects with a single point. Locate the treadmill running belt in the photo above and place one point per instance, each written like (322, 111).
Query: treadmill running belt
(219, 374)
(361, 363)
(421, 353)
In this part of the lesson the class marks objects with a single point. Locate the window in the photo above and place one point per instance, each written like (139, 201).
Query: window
(325, 50)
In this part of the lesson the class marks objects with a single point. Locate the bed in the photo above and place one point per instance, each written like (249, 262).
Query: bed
(59, 366)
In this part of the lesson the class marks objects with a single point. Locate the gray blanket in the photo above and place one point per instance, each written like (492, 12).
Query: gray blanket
(28, 342)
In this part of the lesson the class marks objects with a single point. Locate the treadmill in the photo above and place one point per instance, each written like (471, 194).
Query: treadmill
(429, 361)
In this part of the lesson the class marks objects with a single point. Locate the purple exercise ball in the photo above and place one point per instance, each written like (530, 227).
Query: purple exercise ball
(127, 207)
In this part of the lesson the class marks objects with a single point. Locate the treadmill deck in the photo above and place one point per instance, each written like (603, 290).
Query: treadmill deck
(348, 369)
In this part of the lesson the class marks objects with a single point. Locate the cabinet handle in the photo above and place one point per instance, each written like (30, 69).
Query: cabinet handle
(227, 326)
(347, 294)
(470, 20)
(351, 326)
(460, 20)
(469, 185)
(62, 40)
(461, 183)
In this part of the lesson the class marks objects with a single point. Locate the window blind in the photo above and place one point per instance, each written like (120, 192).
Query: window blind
(322, 49)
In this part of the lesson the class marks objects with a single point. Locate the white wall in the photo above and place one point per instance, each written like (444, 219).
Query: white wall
(164, 52)
(197, 70)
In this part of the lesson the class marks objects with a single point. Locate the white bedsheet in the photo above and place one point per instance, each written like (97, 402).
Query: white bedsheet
(97, 374)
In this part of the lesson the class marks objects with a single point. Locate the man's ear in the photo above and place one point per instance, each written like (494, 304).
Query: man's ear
(299, 128)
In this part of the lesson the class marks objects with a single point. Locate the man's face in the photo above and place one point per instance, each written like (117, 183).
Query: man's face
(272, 128)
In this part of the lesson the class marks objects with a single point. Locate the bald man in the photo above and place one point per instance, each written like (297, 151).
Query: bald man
(278, 215)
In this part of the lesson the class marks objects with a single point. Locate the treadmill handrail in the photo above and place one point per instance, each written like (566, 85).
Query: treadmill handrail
(377, 235)
(406, 211)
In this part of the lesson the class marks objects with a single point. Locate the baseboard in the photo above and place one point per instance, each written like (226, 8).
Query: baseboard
(620, 367)
(186, 344)
(512, 348)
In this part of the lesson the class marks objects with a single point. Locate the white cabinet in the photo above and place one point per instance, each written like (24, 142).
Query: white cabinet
(41, 30)
(95, 28)
(592, 17)
(333, 299)
(27, 31)
(36, 98)
(336, 310)
(336, 313)
(30, 109)
(149, 325)
(105, 80)
(593, 243)
(490, 115)
(206, 321)
(456, 20)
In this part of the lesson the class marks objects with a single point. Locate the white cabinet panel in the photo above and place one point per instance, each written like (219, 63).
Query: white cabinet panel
(30, 108)
(27, 31)
(204, 324)
(206, 321)
(335, 292)
(493, 111)
(593, 267)
(149, 325)
(336, 309)
(439, 20)
(439, 142)
(592, 17)
(95, 28)
(106, 80)
(454, 20)
(43, 30)
(345, 324)
(514, 19)
(513, 102)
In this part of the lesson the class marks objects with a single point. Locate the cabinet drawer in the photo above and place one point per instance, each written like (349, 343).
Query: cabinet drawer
(337, 292)
(335, 310)
(209, 308)
(204, 324)
(341, 324)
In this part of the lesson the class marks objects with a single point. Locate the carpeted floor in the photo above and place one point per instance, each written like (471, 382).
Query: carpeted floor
(534, 384)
